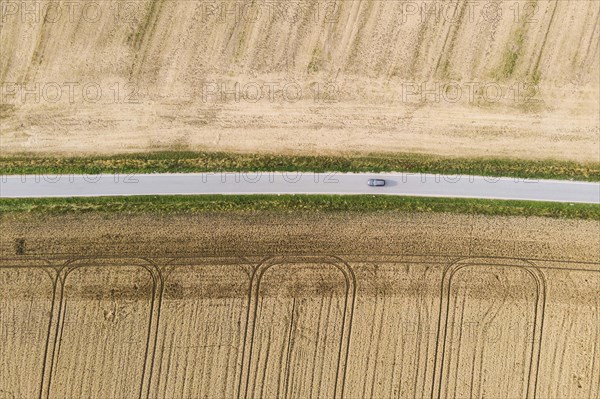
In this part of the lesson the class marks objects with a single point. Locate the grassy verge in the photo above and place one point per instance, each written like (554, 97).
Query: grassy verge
(295, 203)
(162, 162)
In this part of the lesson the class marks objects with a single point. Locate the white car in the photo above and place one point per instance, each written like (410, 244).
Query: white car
(376, 182)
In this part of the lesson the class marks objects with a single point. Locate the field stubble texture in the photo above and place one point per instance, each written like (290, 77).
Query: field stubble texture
(468, 78)
(339, 307)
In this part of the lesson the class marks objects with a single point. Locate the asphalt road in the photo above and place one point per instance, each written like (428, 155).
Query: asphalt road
(298, 183)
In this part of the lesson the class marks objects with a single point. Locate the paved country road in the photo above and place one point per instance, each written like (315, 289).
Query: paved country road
(408, 184)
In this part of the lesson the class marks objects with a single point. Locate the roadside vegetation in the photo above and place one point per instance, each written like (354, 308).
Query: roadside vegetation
(295, 203)
(179, 162)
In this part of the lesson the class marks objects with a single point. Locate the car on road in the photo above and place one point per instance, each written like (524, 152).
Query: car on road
(376, 182)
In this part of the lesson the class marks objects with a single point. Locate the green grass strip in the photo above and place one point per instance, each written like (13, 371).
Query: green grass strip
(295, 203)
(175, 162)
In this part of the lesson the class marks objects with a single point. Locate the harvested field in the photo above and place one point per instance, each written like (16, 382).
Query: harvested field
(517, 79)
(273, 305)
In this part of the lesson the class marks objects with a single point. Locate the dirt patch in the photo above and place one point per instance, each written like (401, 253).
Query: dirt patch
(262, 233)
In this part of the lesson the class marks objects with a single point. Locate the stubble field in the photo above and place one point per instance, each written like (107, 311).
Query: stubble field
(510, 79)
(263, 304)
(317, 305)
